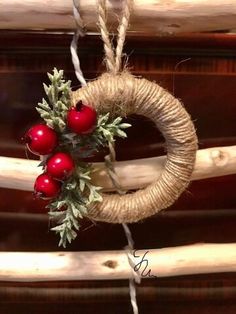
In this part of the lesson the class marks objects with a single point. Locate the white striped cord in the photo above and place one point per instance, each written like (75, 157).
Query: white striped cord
(80, 32)
(136, 277)
(79, 74)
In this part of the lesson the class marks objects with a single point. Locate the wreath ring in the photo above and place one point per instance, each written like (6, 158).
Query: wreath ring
(123, 94)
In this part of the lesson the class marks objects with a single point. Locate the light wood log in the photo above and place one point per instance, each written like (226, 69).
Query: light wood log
(20, 174)
(149, 16)
(110, 265)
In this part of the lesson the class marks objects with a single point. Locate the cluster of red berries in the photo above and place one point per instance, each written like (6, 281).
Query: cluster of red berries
(43, 140)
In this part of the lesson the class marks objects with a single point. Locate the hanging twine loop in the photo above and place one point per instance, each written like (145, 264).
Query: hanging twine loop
(121, 94)
(109, 159)
(113, 57)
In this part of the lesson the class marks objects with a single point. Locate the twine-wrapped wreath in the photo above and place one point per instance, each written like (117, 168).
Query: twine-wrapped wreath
(120, 93)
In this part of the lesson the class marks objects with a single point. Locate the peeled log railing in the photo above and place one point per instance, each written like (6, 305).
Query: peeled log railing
(153, 17)
(20, 174)
(193, 259)
(110, 265)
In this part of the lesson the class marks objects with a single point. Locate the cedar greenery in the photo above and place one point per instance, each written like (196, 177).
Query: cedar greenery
(77, 192)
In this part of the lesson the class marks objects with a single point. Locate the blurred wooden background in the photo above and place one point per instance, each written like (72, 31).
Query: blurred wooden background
(199, 69)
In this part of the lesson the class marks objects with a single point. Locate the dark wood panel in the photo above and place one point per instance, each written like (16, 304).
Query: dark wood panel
(200, 70)
(194, 308)
(25, 232)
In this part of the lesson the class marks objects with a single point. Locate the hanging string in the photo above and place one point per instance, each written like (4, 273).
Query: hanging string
(136, 277)
(102, 21)
(113, 57)
(113, 61)
(79, 32)
(109, 162)
(122, 29)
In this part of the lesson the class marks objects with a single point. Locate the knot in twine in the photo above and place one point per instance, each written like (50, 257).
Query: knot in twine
(121, 94)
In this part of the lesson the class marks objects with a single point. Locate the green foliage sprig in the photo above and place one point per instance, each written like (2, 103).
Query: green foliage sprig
(58, 94)
(104, 133)
(77, 192)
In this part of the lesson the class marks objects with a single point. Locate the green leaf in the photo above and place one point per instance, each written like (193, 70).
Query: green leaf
(51, 77)
(56, 213)
(61, 106)
(58, 228)
(83, 209)
(62, 242)
(43, 113)
(102, 119)
(121, 133)
(84, 176)
(96, 197)
(65, 86)
(76, 223)
(117, 121)
(57, 204)
(70, 235)
(49, 123)
(81, 185)
(76, 211)
(106, 134)
(44, 105)
(124, 125)
(46, 88)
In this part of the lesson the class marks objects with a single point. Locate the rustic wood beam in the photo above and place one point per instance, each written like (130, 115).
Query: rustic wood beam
(20, 174)
(110, 265)
(36, 293)
(149, 16)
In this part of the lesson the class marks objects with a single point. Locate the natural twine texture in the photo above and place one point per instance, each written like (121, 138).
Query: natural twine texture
(113, 57)
(109, 159)
(136, 278)
(123, 94)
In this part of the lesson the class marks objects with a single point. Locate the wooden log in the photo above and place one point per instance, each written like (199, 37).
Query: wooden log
(20, 174)
(153, 17)
(110, 265)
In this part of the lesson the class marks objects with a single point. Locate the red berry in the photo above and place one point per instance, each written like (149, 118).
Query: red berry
(46, 187)
(40, 139)
(81, 119)
(60, 166)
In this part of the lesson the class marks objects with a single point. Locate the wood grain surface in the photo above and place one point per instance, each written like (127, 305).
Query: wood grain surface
(153, 17)
(200, 70)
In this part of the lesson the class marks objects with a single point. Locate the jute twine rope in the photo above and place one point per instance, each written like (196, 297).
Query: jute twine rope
(109, 162)
(136, 278)
(122, 94)
(112, 56)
